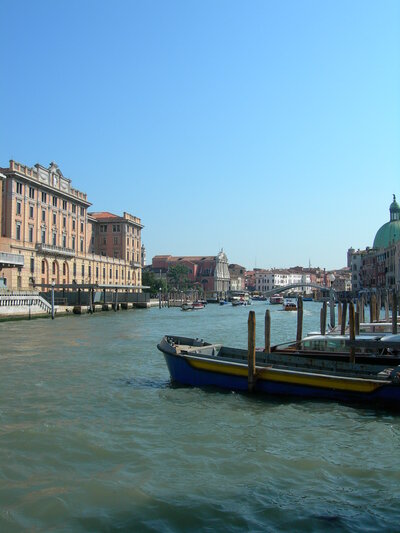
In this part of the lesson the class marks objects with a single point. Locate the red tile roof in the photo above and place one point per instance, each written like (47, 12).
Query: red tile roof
(103, 214)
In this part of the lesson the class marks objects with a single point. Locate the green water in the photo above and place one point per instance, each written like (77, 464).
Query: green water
(94, 437)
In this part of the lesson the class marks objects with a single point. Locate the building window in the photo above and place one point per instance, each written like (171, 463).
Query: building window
(65, 205)
(97, 272)
(81, 245)
(103, 228)
(43, 215)
(43, 236)
(64, 241)
(73, 242)
(73, 225)
(31, 211)
(19, 187)
(32, 265)
(73, 208)
(110, 273)
(54, 218)
(116, 273)
(54, 239)
(64, 269)
(104, 273)
(116, 228)
(90, 271)
(104, 241)
(31, 192)
(18, 208)
(43, 266)
(74, 270)
(83, 271)
(82, 211)
(30, 233)
(129, 274)
(44, 197)
(81, 227)
(64, 222)
(115, 240)
(54, 268)
(55, 201)
(18, 231)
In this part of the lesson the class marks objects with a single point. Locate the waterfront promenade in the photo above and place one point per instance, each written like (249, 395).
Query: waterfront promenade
(94, 437)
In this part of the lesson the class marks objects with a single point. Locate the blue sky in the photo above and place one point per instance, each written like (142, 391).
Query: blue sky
(268, 128)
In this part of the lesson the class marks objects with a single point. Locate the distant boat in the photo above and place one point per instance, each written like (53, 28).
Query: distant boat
(223, 302)
(198, 305)
(289, 304)
(276, 299)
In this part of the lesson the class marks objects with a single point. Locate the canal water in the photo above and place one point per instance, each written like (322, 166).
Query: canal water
(94, 437)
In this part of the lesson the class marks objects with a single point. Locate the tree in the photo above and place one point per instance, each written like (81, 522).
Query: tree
(177, 276)
(155, 283)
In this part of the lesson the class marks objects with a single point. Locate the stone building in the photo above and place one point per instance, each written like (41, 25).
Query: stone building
(45, 221)
(210, 272)
(237, 274)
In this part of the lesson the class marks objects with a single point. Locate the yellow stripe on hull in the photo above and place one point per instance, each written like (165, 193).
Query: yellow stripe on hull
(291, 377)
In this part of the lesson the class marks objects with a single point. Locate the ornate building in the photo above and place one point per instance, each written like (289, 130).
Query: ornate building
(379, 267)
(46, 224)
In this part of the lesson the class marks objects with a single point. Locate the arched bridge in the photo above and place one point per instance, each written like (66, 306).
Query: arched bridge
(277, 290)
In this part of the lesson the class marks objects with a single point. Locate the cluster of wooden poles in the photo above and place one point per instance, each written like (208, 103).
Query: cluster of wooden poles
(356, 315)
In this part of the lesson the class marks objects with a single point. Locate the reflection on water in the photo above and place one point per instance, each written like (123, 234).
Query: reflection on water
(94, 437)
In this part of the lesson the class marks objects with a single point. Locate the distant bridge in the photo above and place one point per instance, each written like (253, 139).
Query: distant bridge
(277, 290)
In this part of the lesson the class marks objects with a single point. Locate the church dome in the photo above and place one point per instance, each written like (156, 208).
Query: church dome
(389, 233)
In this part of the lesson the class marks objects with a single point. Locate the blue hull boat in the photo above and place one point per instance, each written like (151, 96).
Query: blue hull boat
(327, 376)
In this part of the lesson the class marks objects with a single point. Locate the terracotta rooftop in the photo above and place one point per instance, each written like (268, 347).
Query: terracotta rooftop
(103, 214)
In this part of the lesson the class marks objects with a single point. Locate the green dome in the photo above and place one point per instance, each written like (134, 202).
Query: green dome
(389, 233)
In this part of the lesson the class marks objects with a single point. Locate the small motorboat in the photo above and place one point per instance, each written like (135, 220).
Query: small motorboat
(290, 304)
(198, 305)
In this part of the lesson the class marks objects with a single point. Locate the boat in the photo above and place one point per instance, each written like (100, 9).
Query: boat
(187, 307)
(290, 304)
(223, 302)
(276, 299)
(198, 305)
(293, 369)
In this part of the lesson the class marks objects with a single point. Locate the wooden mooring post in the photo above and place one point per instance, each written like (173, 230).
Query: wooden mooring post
(299, 334)
(352, 331)
(339, 319)
(251, 351)
(372, 307)
(386, 306)
(394, 312)
(323, 318)
(267, 348)
(344, 318)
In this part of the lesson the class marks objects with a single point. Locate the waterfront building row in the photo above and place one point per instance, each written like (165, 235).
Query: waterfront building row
(379, 266)
(209, 272)
(48, 235)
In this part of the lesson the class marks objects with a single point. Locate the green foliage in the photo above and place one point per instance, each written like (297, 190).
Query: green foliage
(154, 282)
(178, 277)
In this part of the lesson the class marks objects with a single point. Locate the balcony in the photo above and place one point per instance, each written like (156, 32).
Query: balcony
(135, 264)
(55, 250)
(11, 260)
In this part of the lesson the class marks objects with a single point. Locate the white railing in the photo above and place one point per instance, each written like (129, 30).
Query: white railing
(27, 300)
(11, 259)
(51, 248)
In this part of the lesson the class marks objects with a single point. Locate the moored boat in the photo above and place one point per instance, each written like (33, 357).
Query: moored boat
(292, 369)
(276, 299)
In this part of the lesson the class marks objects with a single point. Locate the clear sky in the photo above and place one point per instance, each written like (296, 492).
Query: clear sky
(268, 128)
